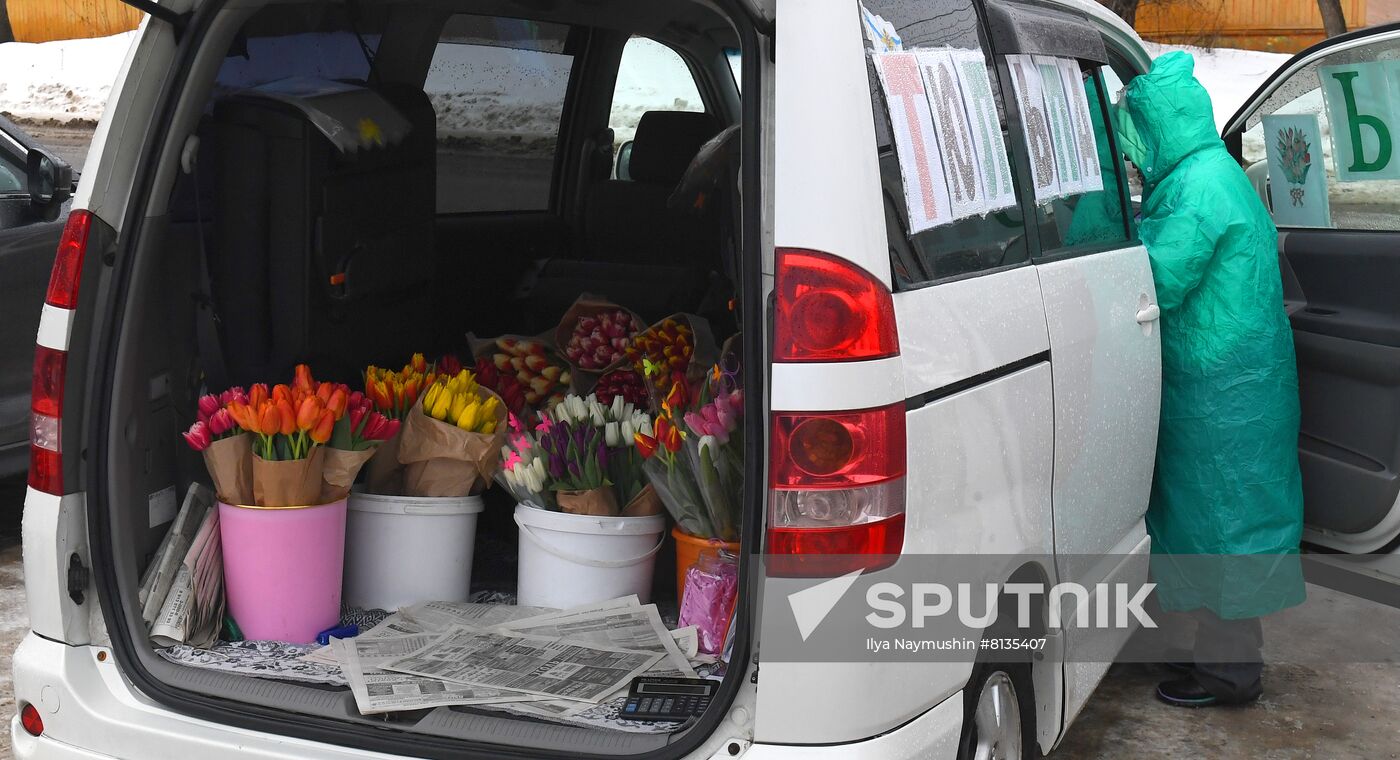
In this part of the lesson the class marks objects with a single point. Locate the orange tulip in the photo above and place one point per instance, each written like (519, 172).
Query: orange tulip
(303, 379)
(338, 400)
(324, 390)
(280, 392)
(257, 395)
(269, 419)
(418, 364)
(309, 412)
(324, 425)
(286, 416)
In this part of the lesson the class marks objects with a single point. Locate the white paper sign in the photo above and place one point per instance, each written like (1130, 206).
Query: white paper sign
(981, 109)
(925, 189)
(1083, 125)
(1061, 129)
(1025, 77)
(955, 143)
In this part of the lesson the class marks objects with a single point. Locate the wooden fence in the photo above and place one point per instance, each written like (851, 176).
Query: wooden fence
(1284, 26)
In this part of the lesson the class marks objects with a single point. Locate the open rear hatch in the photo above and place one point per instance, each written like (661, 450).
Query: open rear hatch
(345, 186)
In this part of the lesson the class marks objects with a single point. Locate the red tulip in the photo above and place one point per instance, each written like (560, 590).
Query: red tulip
(198, 436)
(645, 444)
(668, 435)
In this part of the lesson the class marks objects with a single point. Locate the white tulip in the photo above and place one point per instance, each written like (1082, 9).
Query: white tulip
(578, 410)
(619, 407)
(629, 432)
(611, 435)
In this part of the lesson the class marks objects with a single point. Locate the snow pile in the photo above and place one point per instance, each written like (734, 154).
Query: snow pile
(65, 81)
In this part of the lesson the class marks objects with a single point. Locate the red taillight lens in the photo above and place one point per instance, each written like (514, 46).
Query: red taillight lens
(29, 718)
(68, 264)
(836, 498)
(46, 411)
(830, 310)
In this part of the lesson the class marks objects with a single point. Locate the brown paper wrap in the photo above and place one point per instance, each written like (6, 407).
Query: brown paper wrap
(598, 502)
(341, 467)
(587, 306)
(230, 464)
(383, 472)
(289, 482)
(702, 356)
(444, 460)
(644, 504)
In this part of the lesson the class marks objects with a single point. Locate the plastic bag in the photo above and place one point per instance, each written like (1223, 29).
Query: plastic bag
(711, 586)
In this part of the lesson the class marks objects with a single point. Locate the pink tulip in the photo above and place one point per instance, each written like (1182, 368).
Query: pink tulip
(207, 406)
(221, 423)
(236, 393)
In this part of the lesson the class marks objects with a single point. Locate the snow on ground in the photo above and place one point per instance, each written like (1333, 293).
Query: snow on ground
(1230, 75)
(62, 81)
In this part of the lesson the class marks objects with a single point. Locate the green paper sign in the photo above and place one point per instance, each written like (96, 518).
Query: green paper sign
(1297, 175)
(1364, 121)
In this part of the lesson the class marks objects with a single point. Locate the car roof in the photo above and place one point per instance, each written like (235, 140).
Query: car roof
(1112, 26)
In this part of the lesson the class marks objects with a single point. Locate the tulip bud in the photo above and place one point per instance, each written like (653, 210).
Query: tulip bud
(612, 434)
(321, 432)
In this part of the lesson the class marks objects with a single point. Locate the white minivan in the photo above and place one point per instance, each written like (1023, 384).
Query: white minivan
(984, 385)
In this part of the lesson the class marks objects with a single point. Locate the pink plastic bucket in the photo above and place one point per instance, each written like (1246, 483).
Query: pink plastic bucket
(282, 568)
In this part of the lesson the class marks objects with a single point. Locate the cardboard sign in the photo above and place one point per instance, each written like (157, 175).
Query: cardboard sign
(956, 147)
(1297, 174)
(925, 188)
(1082, 125)
(981, 108)
(1361, 109)
(1025, 78)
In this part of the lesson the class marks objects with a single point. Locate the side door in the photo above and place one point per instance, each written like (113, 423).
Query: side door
(1319, 138)
(30, 224)
(1100, 310)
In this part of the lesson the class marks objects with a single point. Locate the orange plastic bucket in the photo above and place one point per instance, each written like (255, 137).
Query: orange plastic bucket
(688, 550)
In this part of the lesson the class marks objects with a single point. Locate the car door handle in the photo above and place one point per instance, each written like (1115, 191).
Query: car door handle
(1149, 314)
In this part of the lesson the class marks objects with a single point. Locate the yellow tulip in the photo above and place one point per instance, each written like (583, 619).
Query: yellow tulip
(430, 397)
(459, 403)
(442, 406)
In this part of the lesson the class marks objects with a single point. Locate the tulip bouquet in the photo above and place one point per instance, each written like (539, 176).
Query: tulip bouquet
(715, 449)
(525, 467)
(619, 422)
(355, 438)
(668, 469)
(523, 371)
(622, 382)
(672, 349)
(594, 335)
(577, 462)
(451, 439)
(393, 394)
(273, 447)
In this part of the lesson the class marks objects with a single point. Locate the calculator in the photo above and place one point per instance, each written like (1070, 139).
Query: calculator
(667, 699)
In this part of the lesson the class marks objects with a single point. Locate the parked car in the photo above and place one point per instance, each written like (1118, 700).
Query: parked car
(1001, 373)
(35, 189)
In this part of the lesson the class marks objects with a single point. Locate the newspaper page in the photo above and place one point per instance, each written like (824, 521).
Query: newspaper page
(193, 609)
(630, 600)
(378, 691)
(532, 664)
(687, 640)
(633, 628)
(439, 616)
(160, 576)
(394, 625)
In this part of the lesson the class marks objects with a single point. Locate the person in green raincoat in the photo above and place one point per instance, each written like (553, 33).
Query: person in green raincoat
(1226, 512)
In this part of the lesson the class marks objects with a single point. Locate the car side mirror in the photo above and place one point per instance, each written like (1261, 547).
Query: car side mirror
(50, 181)
(624, 161)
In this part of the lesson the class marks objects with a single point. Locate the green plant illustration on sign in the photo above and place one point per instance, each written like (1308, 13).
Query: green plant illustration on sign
(1295, 158)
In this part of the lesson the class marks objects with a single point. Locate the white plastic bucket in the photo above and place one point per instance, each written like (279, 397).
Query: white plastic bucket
(405, 549)
(567, 560)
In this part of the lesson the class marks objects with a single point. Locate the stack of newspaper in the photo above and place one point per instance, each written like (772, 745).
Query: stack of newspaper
(548, 664)
(182, 592)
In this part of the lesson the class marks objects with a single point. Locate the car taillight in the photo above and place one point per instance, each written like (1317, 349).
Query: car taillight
(30, 719)
(68, 264)
(50, 363)
(836, 491)
(830, 310)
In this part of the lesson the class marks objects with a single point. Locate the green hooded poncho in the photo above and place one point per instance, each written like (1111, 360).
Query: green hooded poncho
(1227, 482)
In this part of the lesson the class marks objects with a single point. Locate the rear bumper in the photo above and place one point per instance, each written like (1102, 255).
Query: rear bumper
(91, 712)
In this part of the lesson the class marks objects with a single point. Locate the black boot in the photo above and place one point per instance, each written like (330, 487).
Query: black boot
(1188, 692)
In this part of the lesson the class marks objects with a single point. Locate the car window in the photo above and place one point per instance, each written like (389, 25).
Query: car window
(650, 77)
(11, 176)
(498, 86)
(1089, 220)
(965, 246)
(1298, 125)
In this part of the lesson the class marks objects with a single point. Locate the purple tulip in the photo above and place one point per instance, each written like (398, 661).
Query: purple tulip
(602, 457)
(574, 470)
(556, 468)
